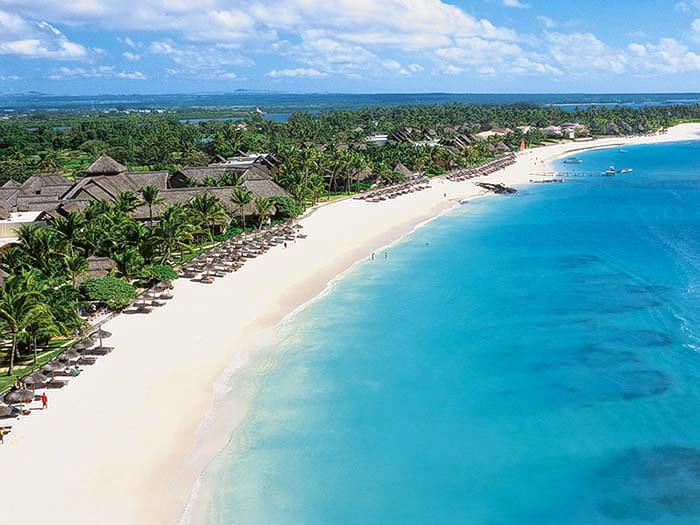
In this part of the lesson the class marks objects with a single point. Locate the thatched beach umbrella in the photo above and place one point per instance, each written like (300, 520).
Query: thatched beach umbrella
(82, 345)
(70, 355)
(102, 334)
(22, 395)
(53, 366)
(35, 379)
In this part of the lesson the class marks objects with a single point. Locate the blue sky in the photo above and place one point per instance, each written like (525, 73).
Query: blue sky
(175, 46)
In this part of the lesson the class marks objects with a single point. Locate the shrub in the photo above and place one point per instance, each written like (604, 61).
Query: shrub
(160, 272)
(287, 207)
(115, 292)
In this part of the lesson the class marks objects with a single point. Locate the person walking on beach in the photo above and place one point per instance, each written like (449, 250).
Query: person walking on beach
(2, 436)
(44, 401)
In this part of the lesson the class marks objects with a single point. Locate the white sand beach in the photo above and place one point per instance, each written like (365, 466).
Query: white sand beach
(119, 444)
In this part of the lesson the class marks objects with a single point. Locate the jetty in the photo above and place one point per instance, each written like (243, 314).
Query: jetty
(496, 188)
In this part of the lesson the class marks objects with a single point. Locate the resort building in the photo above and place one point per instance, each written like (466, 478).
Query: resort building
(377, 140)
(50, 195)
(11, 222)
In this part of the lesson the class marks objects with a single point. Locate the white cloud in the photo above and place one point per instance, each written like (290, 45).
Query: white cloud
(131, 75)
(546, 22)
(211, 39)
(579, 54)
(30, 39)
(695, 30)
(298, 72)
(515, 3)
(65, 72)
(668, 56)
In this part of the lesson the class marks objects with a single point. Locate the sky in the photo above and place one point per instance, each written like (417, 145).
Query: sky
(85, 47)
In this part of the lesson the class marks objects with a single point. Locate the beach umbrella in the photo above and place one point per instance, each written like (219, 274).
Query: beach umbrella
(22, 395)
(102, 334)
(82, 345)
(37, 378)
(53, 366)
(70, 355)
(6, 410)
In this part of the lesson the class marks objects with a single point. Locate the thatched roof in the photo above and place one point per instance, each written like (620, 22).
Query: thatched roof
(11, 184)
(36, 203)
(36, 184)
(254, 172)
(403, 170)
(4, 210)
(108, 187)
(98, 267)
(182, 196)
(105, 165)
(9, 195)
(265, 188)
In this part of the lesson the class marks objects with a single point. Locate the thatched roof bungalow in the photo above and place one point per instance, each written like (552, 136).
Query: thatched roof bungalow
(108, 187)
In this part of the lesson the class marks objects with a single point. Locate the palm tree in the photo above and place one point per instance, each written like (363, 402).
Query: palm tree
(173, 231)
(151, 196)
(208, 212)
(42, 325)
(75, 266)
(126, 202)
(68, 228)
(264, 207)
(241, 196)
(17, 309)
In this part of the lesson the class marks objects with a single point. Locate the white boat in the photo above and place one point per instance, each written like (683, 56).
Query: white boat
(610, 171)
(626, 170)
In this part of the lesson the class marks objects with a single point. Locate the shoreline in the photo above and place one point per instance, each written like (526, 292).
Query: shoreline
(134, 433)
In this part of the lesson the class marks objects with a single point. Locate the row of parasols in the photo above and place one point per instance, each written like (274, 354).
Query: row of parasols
(412, 185)
(485, 169)
(54, 373)
(153, 297)
(230, 256)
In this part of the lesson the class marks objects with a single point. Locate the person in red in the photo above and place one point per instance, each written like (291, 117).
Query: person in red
(44, 400)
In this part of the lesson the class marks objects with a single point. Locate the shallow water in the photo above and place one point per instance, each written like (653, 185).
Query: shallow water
(526, 359)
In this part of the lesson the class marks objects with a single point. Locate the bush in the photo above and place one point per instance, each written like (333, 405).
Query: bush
(115, 292)
(287, 207)
(160, 272)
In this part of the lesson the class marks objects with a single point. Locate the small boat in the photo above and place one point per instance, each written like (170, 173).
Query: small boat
(626, 170)
(622, 150)
(610, 171)
(573, 160)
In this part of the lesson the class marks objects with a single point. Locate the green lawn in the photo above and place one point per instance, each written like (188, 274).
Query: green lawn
(26, 365)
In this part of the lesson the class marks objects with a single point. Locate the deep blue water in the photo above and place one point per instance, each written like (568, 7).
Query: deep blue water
(314, 102)
(527, 359)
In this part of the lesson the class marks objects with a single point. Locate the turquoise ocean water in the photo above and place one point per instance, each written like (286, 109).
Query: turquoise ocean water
(528, 359)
